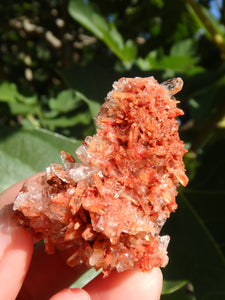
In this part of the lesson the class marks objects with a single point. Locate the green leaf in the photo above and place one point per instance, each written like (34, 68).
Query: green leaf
(93, 105)
(129, 51)
(174, 63)
(185, 47)
(181, 294)
(207, 191)
(25, 152)
(210, 205)
(65, 121)
(177, 63)
(65, 101)
(88, 16)
(171, 286)
(93, 80)
(17, 108)
(194, 254)
(203, 88)
(85, 278)
(8, 92)
(18, 103)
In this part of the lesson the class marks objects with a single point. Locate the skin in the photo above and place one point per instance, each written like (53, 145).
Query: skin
(29, 273)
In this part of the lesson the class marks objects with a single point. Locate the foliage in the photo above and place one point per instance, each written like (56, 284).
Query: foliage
(58, 60)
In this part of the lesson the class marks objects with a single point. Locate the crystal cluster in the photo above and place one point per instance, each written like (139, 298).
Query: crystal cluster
(111, 206)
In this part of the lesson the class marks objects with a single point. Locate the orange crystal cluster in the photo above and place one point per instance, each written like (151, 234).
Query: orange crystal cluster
(111, 206)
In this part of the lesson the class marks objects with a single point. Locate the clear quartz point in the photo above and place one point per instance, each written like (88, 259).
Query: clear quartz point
(173, 85)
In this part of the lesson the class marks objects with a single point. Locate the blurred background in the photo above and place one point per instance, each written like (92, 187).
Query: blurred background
(58, 60)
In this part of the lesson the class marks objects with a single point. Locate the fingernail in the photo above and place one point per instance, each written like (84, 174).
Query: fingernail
(5, 236)
(74, 293)
(82, 294)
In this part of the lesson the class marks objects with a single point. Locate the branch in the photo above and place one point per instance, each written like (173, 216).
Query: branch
(215, 35)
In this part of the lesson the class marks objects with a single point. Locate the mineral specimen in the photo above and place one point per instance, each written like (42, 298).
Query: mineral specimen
(110, 207)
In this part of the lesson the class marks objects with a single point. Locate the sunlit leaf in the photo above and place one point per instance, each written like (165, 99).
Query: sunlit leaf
(25, 152)
(64, 121)
(87, 15)
(185, 47)
(65, 101)
(8, 92)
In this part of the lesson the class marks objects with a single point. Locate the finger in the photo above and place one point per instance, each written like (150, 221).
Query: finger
(70, 294)
(16, 249)
(128, 285)
(48, 274)
(57, 275)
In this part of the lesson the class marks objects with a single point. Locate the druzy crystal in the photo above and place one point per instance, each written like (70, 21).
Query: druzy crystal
(110, 207)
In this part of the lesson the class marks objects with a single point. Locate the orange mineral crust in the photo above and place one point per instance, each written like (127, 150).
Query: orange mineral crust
(110, 207)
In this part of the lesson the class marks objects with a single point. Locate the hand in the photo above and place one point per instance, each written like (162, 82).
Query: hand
(29, 276)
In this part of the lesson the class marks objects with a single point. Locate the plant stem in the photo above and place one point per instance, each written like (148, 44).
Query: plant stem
(215, 35)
